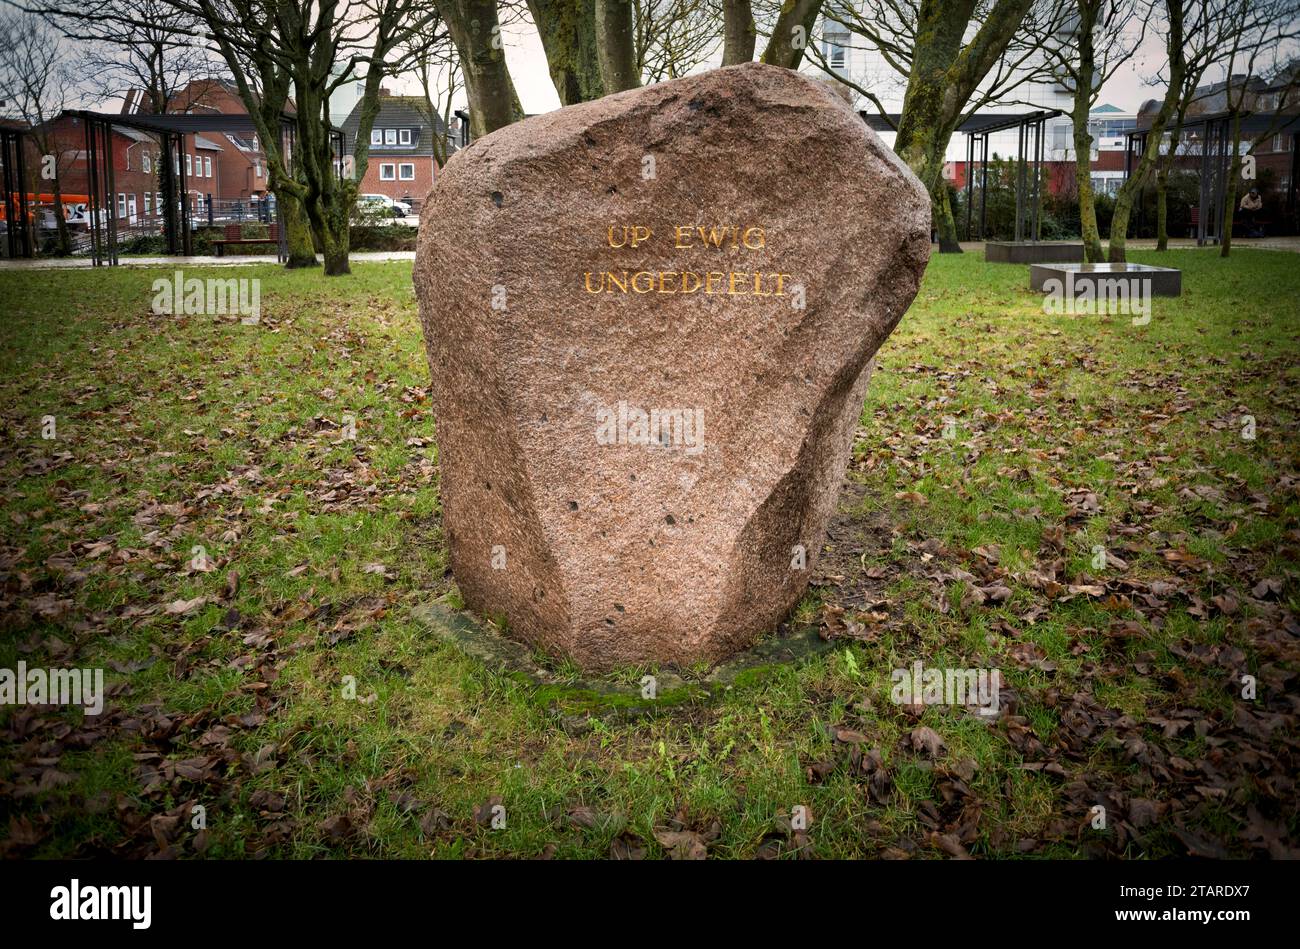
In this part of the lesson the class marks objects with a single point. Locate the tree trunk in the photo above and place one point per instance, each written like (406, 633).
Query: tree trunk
(945, 224)
(568, 32)
(1085, 69)
(738, 32)
(943, 77)
(475, 30)
(615, 47)
(327, 199)
(790, 34)
(60, 222)
(1094, 252)
(1162, 207)
(1173, 94)
(1230, 187)
(297, 231)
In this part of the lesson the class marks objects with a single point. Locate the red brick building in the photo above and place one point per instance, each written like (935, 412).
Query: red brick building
(401, 163)
(135, 176)
(238, 165)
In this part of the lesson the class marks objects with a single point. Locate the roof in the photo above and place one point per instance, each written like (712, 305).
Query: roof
(397, 112)
(1252, 123)
(201, 142)
(979, 123)
(1107, 107)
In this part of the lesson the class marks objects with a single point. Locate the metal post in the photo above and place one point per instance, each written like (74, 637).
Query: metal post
(1038, 166)
(24, 223)
(1226, 171)
(93, 192)
(1203, 185)
(7, 160)
(1020, 189)
(1295, 169)
(984, 182)
(186, 241)
(970, 180)
(111, 184)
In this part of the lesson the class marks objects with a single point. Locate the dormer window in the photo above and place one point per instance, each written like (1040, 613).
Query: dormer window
(390, 136)
(377, 136)
(404, 136)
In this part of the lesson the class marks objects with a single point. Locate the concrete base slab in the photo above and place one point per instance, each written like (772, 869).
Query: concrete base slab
(1032, 252)
(1102, 281)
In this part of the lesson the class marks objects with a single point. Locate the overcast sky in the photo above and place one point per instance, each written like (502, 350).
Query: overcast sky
(1127, 89)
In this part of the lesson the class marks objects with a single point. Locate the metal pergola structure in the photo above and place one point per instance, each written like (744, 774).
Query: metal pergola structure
(1211, 143)
(19, 239)
(170, 129)
(977, 128)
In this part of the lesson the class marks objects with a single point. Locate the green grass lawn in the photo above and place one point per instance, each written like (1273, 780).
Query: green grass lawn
(201, 527)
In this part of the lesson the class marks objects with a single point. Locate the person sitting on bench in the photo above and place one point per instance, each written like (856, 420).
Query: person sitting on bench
(1251, 203)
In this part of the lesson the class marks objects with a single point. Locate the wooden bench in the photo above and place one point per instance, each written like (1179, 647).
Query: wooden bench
(234, 235)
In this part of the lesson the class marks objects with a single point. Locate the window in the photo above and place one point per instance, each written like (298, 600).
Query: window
(406, 171)
(145, 164)
(376, 136)
(147, 202)
(257, 169)
(158, 202)
(390, 136)
(121, 205)
(1061, 136)
(130, 205)
(207, 167)
(835, 47)
(189, 170)
(386, 172)
(404, 136)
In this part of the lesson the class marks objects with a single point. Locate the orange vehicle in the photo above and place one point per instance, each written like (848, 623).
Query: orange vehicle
(76, 207)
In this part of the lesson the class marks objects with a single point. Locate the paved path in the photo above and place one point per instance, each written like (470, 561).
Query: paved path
(1291, 244)
(82, 263)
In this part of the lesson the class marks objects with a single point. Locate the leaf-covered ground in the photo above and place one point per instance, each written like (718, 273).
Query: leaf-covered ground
(1003, 455)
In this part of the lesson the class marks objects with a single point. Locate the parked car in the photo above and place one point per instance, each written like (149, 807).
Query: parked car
(383, 202)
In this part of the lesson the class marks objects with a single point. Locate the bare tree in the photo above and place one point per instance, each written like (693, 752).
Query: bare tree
(145, 47)
(740, 33)
(1260, 80)
(568, 32)
(790, 33)
(953, 57)
(616, 45)
(475, 28)
(436, 66)
(674, 36)
(312, 48)
(37, 81)
(1089, 40)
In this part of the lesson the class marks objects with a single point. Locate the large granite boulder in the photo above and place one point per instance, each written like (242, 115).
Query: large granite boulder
(650, 321)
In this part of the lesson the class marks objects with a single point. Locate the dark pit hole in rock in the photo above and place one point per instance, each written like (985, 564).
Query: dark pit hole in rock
(608, 621)
(573, 505)
(619, 607)
(670, 519)
(498, 198)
